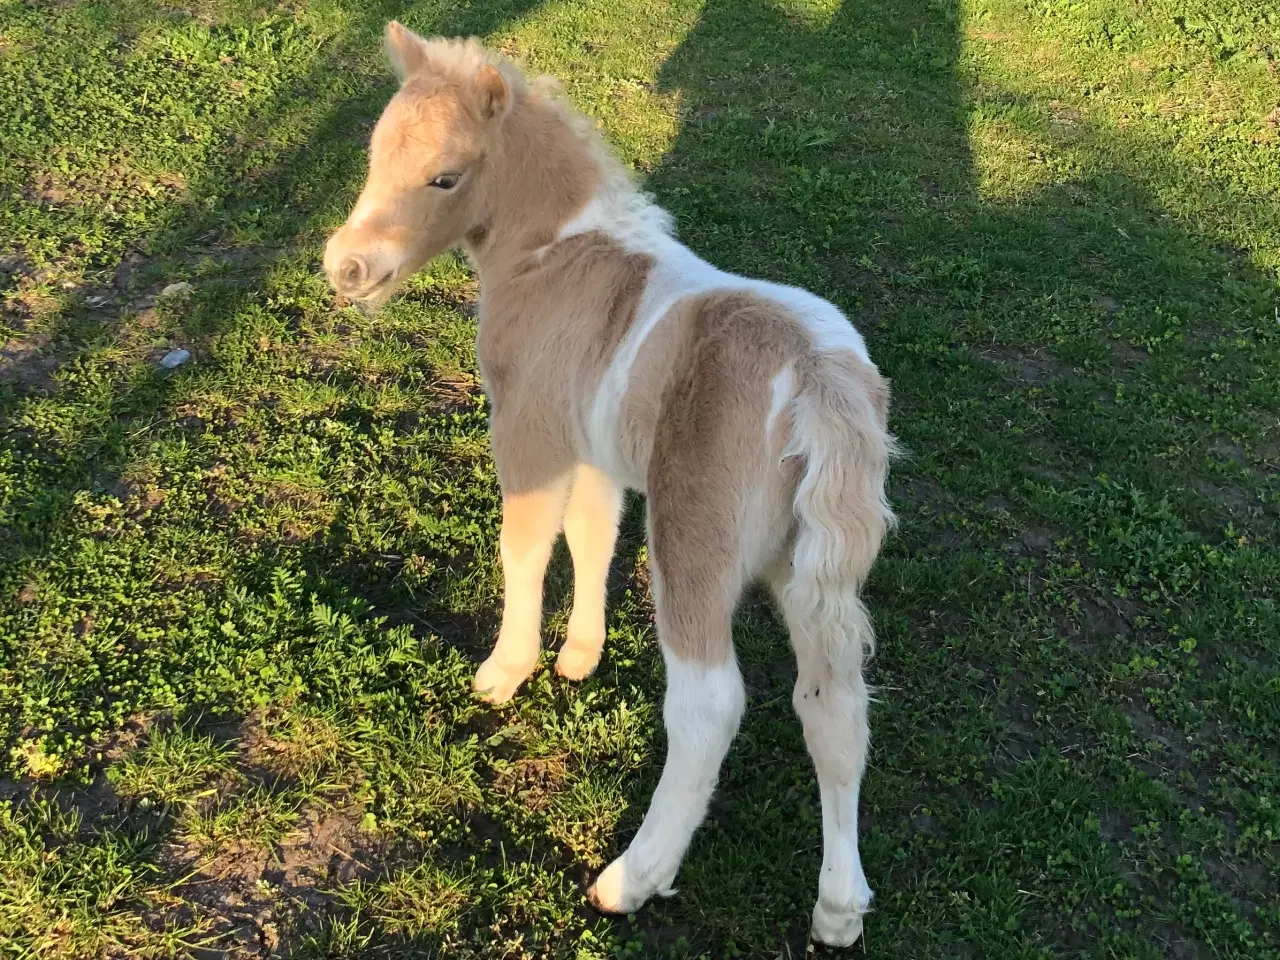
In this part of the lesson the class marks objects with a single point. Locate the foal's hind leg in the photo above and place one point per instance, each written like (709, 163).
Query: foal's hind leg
(591, 529)
(530, 525)
(702, 708)
(831, 698)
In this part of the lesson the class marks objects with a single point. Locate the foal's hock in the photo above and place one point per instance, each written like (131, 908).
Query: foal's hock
(748, 412)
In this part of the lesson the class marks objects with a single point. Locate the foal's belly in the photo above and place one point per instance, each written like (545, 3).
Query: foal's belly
(618, 439)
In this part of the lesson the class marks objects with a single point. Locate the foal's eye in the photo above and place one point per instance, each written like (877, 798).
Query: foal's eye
(446, 182)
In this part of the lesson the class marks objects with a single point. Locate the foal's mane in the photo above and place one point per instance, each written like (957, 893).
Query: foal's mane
(626, 206)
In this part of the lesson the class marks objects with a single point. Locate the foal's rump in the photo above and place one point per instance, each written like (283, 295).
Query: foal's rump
(769, 460)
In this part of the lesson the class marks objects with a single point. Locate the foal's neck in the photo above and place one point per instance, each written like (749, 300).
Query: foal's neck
(543, 172)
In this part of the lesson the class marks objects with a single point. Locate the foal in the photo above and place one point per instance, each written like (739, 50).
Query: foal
(748, 412)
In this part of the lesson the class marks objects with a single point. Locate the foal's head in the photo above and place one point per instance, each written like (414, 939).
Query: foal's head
(427, 164)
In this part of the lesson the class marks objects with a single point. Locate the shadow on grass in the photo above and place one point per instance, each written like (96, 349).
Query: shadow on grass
(834, 152)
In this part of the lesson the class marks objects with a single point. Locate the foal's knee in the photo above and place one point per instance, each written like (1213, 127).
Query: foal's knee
(518, 545)
(702, 697)
(822, 693)
(833, 713)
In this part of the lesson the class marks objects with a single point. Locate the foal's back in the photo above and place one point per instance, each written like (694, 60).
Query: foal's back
(616, 311)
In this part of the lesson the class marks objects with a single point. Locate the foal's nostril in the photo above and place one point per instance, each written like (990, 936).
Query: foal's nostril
(352, 272)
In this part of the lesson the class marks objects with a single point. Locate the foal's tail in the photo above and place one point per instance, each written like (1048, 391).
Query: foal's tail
(839, 426)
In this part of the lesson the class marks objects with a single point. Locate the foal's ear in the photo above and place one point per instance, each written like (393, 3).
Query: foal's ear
(495, 94)
(405, 49)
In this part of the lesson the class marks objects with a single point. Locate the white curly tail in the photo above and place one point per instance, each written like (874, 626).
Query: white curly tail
(839, 427)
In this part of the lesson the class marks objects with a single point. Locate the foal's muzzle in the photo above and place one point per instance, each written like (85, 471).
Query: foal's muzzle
(358, 276)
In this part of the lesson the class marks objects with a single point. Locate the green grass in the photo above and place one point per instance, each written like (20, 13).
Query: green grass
(241, 602)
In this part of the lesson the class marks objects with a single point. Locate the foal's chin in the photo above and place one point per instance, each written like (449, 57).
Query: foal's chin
(369, 306)
(369, 302)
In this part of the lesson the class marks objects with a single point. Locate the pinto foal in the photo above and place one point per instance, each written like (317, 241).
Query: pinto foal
(748, 412)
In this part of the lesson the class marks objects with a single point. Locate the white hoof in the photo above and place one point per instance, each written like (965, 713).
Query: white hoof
(496, 682)
(836, 928)
(578, 658)
(616, 892)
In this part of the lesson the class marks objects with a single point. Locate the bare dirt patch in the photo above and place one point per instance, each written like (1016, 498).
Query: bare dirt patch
(29, 364)
(257, 901)
(532, 781)
(1095, 621)
(1064, 121)
(1035, 369)
(1233, 499)
(1126, 355)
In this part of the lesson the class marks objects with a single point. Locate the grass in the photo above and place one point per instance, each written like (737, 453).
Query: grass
(241, 601)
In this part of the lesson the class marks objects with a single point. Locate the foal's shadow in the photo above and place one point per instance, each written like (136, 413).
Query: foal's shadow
(833, 152)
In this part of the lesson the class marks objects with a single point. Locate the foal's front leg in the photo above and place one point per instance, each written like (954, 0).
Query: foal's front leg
(591, 529)
(530, 524)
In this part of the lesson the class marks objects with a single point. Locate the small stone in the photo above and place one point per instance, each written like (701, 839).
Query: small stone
(176, 289)
(175, 358)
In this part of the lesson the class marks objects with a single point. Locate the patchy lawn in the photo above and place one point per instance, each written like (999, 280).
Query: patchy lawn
(241, 600)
